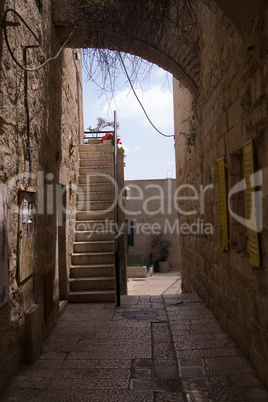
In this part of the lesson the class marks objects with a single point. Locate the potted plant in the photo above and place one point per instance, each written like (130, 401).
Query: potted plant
(161, 242)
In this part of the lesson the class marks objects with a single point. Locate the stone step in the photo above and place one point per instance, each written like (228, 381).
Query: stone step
(92, 140)
(97, 177)
(93, 258)
(100, 234)
(93, 246)
(94, 215)
(103, 169)
(105, 206)
(91, 284)
(96, 147)
(92, 271)
(100, 225)
(92, 297)
(105, 187)
(99, 161)
(95, 196)
(96, 155)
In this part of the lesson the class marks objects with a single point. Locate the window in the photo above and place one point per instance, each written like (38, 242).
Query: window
(241, 221)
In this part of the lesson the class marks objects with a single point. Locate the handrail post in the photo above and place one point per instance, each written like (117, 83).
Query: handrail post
(116, 224)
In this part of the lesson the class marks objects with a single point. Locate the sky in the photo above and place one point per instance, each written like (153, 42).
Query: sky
(149, 154)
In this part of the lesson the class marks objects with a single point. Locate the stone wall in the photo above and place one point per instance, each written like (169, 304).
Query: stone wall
(230, 110)
(151, 206)
(55, 117)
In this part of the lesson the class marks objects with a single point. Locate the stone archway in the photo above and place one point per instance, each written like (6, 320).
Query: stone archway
(176, 48)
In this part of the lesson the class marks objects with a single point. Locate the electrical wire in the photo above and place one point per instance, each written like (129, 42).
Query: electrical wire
(26, 70)
(4, 24)
(133, 90)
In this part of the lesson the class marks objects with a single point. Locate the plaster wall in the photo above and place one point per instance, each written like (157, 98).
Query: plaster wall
(152, 207)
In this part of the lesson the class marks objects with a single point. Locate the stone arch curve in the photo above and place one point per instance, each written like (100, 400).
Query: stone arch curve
(174, 48)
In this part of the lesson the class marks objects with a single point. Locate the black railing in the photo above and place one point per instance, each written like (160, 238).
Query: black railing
(94, 135)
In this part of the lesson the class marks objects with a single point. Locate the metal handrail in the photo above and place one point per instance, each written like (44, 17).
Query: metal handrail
(90, 134)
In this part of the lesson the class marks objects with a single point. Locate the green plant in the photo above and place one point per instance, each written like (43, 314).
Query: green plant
(161, 242)
(110, 136)
(101, 124)
(190, 136)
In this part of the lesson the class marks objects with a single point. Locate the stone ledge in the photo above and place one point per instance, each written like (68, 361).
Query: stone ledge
(136, 272)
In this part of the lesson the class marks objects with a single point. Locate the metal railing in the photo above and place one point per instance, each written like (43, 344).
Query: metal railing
(94, 135)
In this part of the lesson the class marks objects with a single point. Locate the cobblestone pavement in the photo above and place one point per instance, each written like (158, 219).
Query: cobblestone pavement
(152, 348)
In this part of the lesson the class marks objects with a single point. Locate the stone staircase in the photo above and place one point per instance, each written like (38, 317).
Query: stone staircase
(92, 273)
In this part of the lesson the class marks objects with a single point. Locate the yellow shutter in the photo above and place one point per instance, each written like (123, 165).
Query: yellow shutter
(250, 206)
(222, 200)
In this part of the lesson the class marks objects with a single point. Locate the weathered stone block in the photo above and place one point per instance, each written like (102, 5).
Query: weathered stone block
(136, 272)
(33, 336)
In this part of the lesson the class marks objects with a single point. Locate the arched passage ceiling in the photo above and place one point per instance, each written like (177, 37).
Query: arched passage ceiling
(164, 32)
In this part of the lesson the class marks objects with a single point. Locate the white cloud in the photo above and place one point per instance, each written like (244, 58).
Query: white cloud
(157, 102)
(127, 149)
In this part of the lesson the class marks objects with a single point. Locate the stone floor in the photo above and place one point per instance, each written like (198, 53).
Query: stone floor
(152, 348)
(156, 284)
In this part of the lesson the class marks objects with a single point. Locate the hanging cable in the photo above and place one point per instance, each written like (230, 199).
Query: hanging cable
(131, 85)
(26, 102)
(26, 70)
(5, 24)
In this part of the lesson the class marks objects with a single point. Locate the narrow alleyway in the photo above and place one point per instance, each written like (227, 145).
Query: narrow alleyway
(152, 348)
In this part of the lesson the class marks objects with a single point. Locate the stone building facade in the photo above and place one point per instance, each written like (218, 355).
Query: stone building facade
(229, 113)
(152, 209)
(46, 177)
(220, 103)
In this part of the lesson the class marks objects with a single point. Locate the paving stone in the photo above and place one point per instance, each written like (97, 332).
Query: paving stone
(169, 397)
(246, 381)
(20, 395)
(228, 369)
(225, 393)
(92, 383)
(95, 364)
(143, 385)
(193, 371)
(223, 360)
(95, 354)
(214, 352)
(191, 362)
(96, 395)
(198, 383)
(60, 356)
(23, 381)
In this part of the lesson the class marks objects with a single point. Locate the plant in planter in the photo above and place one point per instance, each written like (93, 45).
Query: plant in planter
(161, 242)
(110, 136)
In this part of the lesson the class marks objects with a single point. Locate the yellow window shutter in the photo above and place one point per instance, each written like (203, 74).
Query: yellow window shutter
(222, 200)
(250, 205)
